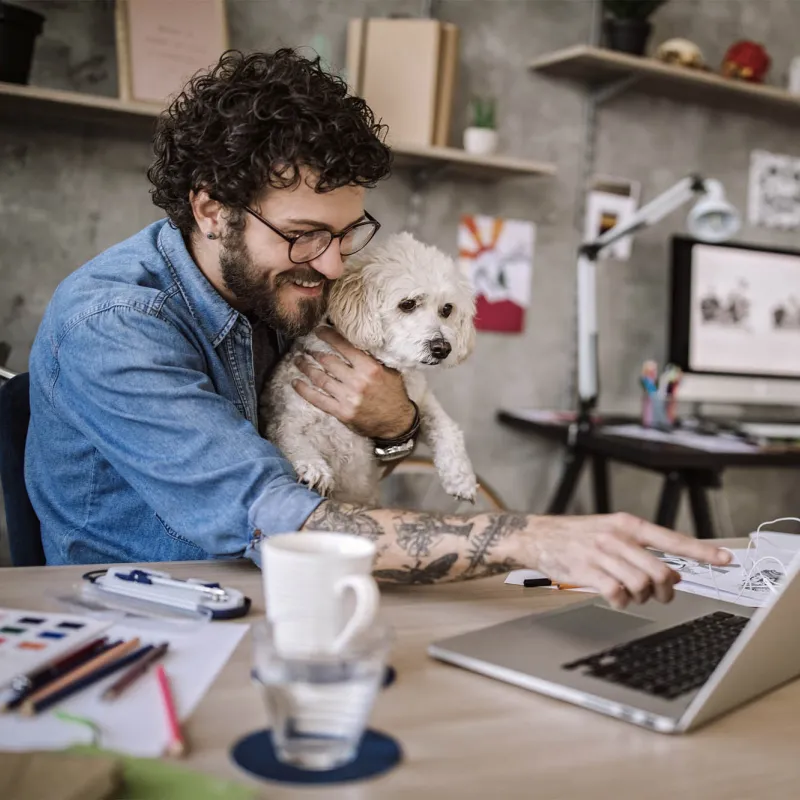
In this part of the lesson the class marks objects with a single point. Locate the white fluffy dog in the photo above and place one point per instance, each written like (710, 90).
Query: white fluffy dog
(411, 307)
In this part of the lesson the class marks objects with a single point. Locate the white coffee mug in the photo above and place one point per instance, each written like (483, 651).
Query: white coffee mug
(319, 589)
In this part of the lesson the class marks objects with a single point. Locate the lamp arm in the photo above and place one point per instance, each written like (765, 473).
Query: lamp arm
(658, 208)
(653, 212)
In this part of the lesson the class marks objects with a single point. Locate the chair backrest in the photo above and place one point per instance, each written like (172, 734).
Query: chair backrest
(24, 532)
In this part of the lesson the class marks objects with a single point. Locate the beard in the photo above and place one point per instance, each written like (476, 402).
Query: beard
(261, 293)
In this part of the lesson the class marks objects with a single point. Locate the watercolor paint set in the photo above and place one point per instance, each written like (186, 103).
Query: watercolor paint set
(29, 639)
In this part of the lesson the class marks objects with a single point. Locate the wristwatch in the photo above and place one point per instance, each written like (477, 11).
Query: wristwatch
(393, 449)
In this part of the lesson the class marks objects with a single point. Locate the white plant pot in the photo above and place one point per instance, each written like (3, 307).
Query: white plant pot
(480, 141)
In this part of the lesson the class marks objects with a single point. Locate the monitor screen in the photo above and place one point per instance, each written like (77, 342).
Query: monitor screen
(735, 309)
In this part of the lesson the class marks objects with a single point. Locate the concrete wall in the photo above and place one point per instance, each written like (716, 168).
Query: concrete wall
(68, 191)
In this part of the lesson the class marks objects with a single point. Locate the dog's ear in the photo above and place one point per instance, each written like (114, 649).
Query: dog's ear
(465, 322)
(354, 310)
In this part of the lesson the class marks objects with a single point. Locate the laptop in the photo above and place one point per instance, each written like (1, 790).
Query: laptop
(667, 667)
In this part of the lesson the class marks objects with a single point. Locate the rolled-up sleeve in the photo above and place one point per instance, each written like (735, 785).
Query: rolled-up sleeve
(137, 388)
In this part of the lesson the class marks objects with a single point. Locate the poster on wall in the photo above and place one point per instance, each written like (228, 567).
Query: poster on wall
(498, 254)
(606, 210)
(745, 312)
(773, 198)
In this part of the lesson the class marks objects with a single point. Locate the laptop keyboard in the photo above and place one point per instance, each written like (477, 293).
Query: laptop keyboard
(671, 662)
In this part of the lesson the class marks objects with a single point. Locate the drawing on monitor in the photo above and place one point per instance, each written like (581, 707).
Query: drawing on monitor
(744, 311)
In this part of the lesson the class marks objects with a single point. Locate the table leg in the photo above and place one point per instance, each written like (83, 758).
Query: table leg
(573, 463)
(701, 511)
(602, 495)
(670, 500)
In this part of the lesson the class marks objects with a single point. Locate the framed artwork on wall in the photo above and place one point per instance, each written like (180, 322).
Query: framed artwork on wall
(160, 45)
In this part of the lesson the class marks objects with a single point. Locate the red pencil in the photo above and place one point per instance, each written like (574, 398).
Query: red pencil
(176, 746)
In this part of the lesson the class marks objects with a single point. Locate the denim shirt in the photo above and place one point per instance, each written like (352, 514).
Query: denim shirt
(143, 442)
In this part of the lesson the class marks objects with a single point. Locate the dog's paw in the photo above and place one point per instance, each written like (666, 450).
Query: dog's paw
(461, 484)
(317, 475)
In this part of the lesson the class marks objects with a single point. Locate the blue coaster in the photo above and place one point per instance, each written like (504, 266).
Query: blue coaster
(377, 753)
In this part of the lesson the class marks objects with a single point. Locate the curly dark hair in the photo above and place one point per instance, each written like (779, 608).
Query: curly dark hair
(252, 122)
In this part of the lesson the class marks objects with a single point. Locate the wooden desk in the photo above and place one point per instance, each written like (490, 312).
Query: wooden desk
(469, 736)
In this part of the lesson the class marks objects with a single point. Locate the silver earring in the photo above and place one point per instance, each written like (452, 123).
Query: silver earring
(211, 235)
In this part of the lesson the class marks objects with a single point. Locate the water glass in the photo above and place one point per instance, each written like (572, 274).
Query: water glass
(319, 702)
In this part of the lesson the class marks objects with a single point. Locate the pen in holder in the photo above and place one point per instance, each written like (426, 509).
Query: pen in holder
(659, 400)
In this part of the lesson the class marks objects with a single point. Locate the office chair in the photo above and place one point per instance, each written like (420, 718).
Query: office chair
(24, 532)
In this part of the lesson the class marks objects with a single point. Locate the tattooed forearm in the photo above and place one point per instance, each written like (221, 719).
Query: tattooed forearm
(346, 518)
(417, 547)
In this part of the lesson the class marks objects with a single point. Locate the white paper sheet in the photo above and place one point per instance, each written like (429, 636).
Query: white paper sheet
(729, 583)
(710, 444)
(134, 723)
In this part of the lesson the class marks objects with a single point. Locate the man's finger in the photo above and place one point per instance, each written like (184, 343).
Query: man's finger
(332, 364)
(319, 377)
(607, 585)
(635, 582)
(675, 543)
(663, 578)
(340, 344)
(317, 398)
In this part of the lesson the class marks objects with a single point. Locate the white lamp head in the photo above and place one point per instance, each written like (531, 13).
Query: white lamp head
(713, 218)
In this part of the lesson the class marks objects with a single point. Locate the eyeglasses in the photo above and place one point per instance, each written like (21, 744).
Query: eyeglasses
(310, 245)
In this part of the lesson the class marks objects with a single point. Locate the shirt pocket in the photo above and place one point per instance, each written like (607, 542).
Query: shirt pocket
(186, 549)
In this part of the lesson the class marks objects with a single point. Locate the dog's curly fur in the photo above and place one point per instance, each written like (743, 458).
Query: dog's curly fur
(366, 308)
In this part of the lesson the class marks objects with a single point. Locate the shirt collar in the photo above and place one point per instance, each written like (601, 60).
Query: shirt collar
(213, 313)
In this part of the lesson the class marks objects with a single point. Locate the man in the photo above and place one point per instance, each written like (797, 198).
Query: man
(145, 373)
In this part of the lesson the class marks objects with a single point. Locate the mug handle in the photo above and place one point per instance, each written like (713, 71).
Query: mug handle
(367, 602)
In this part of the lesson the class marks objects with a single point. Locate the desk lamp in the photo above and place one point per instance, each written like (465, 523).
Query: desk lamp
(712, 219)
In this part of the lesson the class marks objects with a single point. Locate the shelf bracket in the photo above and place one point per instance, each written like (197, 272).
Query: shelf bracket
(610, 90)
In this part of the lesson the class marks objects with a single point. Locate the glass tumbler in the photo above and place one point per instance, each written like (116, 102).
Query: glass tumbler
(319, 703)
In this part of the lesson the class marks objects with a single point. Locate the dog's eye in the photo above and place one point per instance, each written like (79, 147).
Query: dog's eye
(407, 305)
(447, 310)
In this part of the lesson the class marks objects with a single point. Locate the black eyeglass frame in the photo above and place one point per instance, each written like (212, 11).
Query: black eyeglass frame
(370, 220)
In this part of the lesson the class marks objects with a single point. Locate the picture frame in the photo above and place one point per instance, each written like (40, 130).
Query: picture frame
(161, 45)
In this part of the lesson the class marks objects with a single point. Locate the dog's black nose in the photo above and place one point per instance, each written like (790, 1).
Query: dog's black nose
(440, 348)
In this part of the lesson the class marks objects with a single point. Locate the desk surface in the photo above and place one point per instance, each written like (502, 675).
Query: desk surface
(469, 736)
(644, 453)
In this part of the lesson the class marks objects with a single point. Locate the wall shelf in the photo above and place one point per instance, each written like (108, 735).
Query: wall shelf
(38, 102)
(597, 66)
(452, 160)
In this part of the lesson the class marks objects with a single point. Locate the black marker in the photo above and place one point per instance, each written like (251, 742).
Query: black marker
(532, 583)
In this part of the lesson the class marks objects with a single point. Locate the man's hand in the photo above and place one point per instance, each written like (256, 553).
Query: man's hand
(607, 553)
(356, 389)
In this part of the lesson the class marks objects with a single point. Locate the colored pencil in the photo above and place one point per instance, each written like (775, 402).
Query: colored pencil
(137, 670)
(176, 746)
(25, 685)
(109, 657)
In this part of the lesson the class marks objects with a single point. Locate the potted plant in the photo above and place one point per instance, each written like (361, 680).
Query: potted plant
(627, 26)
(480, 138)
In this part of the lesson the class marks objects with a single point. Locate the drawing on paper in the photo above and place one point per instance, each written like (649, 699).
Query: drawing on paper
(762, 581)
(774, 190)
(688, 566)
(498, 253)
(731, 309)
(786, 315)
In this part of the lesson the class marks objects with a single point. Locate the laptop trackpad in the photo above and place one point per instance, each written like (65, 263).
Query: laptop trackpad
(591, 623)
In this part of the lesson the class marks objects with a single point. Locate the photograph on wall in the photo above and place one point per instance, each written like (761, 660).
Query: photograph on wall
(745, 312)
(606, 210)
(773, 199)
(498, 254)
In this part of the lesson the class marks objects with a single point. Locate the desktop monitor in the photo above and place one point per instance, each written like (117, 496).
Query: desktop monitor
(735, 322)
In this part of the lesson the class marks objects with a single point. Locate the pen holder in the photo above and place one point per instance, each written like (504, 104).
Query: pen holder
(656, 412)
